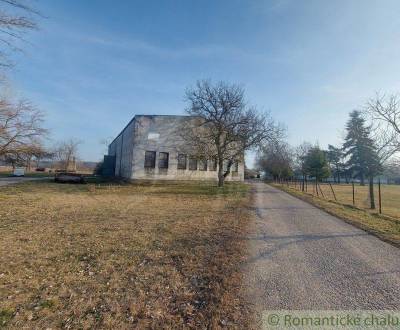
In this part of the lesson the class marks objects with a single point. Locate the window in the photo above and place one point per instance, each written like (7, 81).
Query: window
(213, 164)
(203, 165)
(192, 164)
(163, 159)
(235, 167)
(225, 165)
(150, 159)
(182, 162)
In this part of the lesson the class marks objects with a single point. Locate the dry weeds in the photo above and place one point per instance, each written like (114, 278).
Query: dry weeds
(122, 256)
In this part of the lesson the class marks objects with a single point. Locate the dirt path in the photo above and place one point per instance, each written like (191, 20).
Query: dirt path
(303, 258)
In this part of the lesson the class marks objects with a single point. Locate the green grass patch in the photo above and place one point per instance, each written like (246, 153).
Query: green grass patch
(5, 316)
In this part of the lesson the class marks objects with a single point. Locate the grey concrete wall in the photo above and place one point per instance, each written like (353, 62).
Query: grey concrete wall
(122, 149)
(159, 134)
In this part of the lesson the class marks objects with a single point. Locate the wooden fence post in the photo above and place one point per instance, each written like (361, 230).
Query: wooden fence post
(354, 201)
(380, 198)
(320, 189)
(333, 192)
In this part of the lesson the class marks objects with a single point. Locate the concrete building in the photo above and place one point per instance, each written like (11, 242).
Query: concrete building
(149, 147)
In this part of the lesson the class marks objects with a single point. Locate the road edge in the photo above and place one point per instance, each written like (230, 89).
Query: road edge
(310, 200)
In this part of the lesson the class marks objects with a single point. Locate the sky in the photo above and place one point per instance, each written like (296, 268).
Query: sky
(93, 65)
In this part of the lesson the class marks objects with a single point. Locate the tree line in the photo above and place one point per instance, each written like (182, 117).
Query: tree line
(370, 148)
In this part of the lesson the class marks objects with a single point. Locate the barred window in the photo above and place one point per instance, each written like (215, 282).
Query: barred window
(150, 159)
(182, 161)
(192, 163)
(212, 164)
(202, 165)
(163, 159)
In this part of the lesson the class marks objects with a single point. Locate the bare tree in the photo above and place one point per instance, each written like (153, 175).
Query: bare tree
(16, 18)
(66, 154)
(222, 126)
(384, 115)
(20, 126)
(276, 159)
(300, 154)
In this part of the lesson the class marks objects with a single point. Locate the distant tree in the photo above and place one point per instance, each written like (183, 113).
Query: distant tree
(392, 171)
(300, 153)
(359, 147)
(335, 158)
(276, 159)
(66, 154)
(316, 164)
(224, 127)
(20, 127)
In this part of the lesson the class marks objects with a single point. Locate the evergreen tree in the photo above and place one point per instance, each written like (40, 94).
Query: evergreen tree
(335, 159)
(359, 147)
(316, 164)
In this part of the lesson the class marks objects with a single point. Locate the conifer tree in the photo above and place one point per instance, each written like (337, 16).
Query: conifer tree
(359, 147)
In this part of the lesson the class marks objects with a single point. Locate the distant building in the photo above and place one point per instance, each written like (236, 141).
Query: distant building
(150, 148)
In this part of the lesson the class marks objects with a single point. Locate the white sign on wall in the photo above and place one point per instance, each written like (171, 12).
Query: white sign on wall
(153, 136)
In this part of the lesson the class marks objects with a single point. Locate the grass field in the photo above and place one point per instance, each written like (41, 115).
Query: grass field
(122, 255)
(385, 226)
(344, 194)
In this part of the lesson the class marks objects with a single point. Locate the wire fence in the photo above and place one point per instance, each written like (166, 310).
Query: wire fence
(386, 197)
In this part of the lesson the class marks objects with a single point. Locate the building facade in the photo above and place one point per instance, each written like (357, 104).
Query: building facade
(149, 147)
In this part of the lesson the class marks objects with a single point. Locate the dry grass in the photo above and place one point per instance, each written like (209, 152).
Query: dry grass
(122, 256)
(384, 226)
(344, 194)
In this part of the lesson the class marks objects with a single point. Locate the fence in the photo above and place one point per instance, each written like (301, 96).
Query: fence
(386, 197)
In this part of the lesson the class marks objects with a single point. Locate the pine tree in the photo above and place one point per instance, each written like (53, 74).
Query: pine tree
(335, 159)
(359, 147)
(316, 164)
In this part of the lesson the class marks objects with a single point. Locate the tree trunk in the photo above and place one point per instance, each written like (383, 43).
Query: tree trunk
(362, 179)
(371, 192)
(221, 177)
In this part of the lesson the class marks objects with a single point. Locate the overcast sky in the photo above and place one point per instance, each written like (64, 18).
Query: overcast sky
(95, 64)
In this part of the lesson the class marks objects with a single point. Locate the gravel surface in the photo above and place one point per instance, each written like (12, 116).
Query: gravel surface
(304, 258)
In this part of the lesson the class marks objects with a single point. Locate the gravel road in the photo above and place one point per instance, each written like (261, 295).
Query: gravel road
(304, 258)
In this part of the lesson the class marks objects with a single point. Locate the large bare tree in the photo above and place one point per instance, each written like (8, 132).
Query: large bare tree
(223, 126)
(20, 127)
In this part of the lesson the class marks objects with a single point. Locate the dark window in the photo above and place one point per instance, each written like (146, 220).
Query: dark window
(182, 162)
(192, 163)
(202, 165)
(163, 160)
(213, 165)
(150, 159)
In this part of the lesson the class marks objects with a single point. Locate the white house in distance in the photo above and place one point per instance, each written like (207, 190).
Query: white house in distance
(150, 148)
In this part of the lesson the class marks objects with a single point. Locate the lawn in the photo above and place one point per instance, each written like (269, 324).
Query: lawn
(385, 225)
(122, 255)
